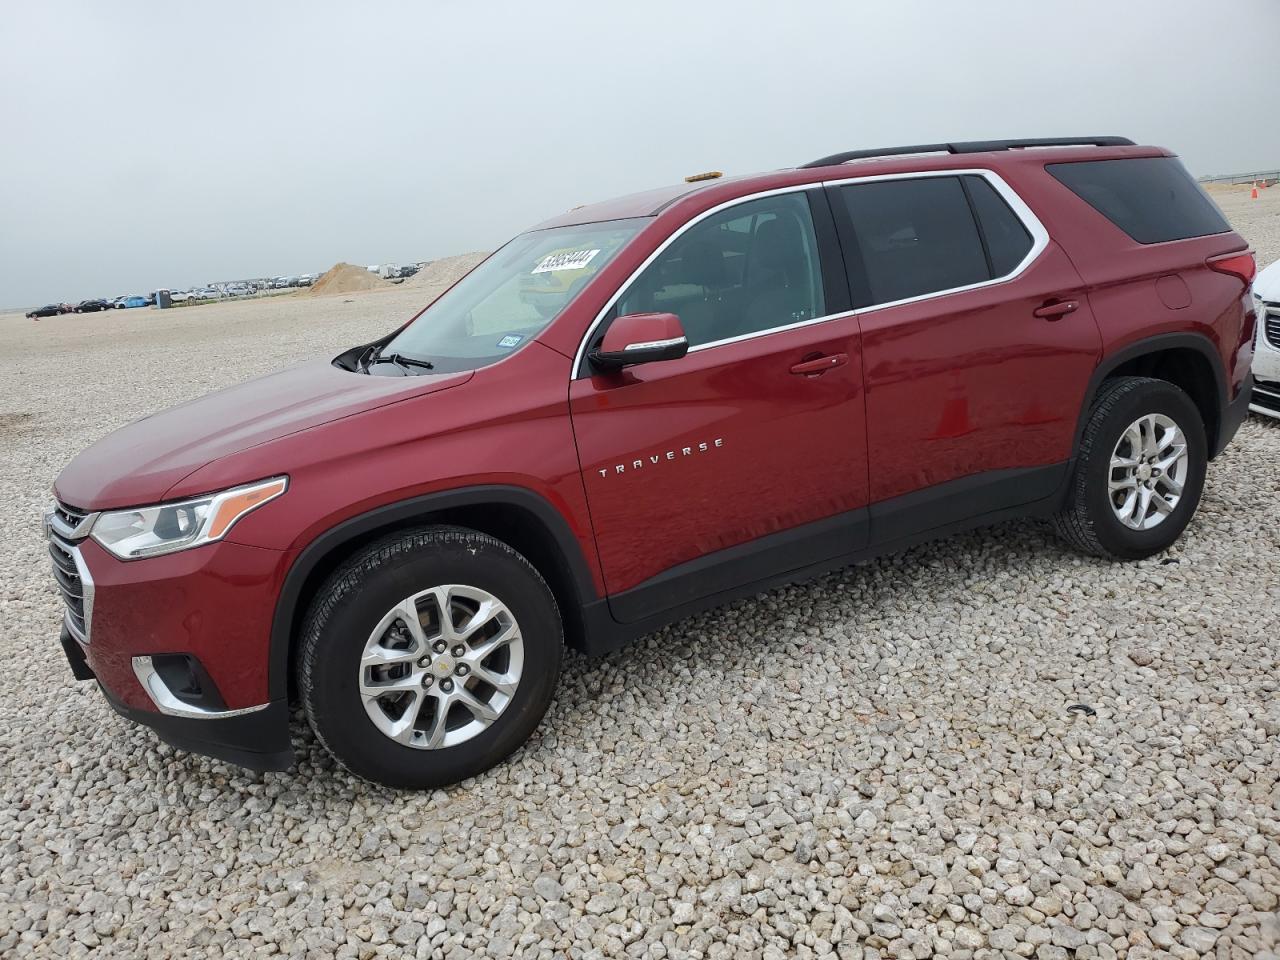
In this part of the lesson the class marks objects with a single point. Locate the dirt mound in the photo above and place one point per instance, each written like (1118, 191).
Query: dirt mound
(438, 275)
(345, 278)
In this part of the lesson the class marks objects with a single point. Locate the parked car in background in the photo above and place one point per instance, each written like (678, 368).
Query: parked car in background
(747, 382)
(1266, 352)
(48, 310)
(92, 306)
(180, 296)
(205, 293)
(130, 302)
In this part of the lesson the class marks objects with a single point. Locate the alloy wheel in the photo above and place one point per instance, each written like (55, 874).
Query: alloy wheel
(441, 666)
(1149, 466)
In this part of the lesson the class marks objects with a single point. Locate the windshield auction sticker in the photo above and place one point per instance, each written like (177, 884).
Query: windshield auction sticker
(574, 260)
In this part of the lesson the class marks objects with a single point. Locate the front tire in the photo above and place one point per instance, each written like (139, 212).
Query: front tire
(1139, 473)
(429, 657)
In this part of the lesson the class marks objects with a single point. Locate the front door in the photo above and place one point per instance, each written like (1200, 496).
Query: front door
(732, 463)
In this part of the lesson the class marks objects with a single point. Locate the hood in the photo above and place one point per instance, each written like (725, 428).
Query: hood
(140, 463)
(1267, 283)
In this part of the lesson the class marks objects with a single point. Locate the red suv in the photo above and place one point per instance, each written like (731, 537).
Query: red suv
(647, 407)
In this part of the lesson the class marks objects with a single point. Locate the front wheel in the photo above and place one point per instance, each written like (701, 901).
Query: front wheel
(429, 657)
(1139, 473)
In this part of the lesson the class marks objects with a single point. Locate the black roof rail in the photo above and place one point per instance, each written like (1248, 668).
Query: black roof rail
(971, 146)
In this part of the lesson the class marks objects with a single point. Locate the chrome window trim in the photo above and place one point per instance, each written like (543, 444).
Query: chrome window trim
(168, 704)
(1039, 241)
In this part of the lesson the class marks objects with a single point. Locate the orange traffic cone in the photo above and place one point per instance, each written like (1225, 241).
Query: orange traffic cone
(1253, 194)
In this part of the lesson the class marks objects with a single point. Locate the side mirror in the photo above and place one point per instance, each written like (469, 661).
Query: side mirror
(640, 338)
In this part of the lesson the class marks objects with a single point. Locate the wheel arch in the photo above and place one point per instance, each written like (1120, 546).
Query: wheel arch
(1187, 360)
(522, 519)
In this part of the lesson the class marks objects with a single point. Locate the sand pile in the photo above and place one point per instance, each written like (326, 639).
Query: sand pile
(345, 278)
(439, 275)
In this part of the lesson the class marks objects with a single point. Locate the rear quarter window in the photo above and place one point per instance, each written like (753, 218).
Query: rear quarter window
(1152, 199)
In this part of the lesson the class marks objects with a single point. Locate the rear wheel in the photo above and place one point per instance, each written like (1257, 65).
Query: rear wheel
(1139, 473)
(429, 657)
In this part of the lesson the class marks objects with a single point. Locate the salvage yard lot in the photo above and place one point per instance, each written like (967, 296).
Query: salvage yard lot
(986, 743)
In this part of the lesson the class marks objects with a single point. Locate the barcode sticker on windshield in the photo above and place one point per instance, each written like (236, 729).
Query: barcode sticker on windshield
(574, 260)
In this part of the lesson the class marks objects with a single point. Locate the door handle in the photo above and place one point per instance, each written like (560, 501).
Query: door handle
(1056, 310)
(819, 365)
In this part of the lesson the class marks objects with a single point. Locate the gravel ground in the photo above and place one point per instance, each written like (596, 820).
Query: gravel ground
(985, 747)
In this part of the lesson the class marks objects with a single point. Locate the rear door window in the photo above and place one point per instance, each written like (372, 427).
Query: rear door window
(1152, 199)
(1007, 240)
(912, 238)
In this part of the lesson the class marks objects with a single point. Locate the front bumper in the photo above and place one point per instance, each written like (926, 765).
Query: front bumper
(256, 738)
(180, 643)
(1266, 362)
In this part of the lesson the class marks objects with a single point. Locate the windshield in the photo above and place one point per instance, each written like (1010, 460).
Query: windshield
(512, 296)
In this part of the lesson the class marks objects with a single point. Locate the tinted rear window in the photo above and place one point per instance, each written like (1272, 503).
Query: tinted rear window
(1152, 199)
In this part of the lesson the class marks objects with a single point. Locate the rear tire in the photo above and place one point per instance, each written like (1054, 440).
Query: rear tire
(412, 706)
(1131, 495)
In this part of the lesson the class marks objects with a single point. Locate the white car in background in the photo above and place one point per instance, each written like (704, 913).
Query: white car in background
(1266, 349)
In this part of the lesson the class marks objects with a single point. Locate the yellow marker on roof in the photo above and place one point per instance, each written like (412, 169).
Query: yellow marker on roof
(709, 175)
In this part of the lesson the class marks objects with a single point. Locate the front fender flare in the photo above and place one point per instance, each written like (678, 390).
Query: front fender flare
(399, 514)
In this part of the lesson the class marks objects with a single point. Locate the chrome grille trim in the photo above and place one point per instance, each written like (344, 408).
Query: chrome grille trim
(69, 523)
(1271, 324)
(71, 574)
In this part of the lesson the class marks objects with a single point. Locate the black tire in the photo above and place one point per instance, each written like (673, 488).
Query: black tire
(349, 606)
(1087, 521)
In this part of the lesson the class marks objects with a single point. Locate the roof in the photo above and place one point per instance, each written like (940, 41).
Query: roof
(643, 204)
(691, 197)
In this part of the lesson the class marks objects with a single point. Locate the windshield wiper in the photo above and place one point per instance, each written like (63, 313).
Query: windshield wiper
(399, 360)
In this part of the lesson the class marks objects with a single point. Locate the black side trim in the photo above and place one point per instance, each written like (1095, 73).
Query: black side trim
(401, 514)
(968, 146)
(80, 668)
(1234, 415)
(258, 740)
(766, 557)
(805, 552)
(933, 508)
(835, 280)
(1165, 341)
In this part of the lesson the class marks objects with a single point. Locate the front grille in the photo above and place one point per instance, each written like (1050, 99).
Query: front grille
(1266, 395)
(66, 527)
(69, 515)
(1271, 324)
(73, 584)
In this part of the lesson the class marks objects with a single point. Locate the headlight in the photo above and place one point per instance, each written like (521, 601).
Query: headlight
(169, 527)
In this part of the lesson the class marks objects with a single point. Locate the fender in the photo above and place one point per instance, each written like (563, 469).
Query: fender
(1151, 345)
(403, 513)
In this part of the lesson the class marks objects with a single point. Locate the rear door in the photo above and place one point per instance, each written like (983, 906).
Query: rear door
(732, 463)
(978, 343)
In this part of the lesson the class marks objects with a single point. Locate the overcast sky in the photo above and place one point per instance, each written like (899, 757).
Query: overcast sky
(171, 144)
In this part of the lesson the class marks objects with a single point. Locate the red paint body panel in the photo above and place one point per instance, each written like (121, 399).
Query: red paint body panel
(215, 602)
(973, 381)
(689, 456)
(514, 430)
(140, 464)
